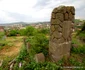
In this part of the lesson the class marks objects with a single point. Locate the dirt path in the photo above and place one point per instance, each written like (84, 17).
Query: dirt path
(13, 50)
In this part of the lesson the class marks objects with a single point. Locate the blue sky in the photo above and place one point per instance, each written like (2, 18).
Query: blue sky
(35, 10)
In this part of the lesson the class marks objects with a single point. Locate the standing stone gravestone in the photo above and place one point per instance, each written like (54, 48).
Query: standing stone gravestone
(61, 28)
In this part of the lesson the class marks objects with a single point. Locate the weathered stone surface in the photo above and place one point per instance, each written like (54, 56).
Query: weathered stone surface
(61, 40)
(57, 55)
(71, 17)
(72, 10)
(52, 28)
(52, 37)
(61, 30)
(58, 28)
(60, 9)
(53, 15)
(66, 16)
(57, 34)
(39, 57)
(68, 9)
(66, 29)
(52, 45)
(55, 21)
(66, 48)
(60, 16)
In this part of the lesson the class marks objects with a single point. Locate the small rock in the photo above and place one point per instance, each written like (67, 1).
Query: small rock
(39, 57)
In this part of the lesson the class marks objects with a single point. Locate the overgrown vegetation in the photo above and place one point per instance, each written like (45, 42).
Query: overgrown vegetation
(39, 43)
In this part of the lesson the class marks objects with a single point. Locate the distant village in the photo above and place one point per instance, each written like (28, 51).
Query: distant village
(23, 26)
(40, 25)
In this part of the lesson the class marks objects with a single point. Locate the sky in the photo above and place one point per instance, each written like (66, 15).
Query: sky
(35, 10)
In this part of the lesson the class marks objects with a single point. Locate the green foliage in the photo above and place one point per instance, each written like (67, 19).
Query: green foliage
(16, 66)
(1, 35)
(39, 43)
(78, 65)
(13, 32)
(22, 32)
(41, 66)
(44, 30)
(77, 20)
(82, 35)
(78, 50)
(30, 31)
(4, 65)
(23, 54)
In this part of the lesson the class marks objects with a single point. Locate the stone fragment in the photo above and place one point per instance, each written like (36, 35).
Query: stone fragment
(39, 57)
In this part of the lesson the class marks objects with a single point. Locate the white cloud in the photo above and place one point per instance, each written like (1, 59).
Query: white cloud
(4, 17)
(35, 10)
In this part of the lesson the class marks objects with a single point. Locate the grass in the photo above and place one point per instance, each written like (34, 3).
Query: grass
(11, 44)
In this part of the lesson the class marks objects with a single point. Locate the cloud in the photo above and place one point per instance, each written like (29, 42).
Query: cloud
(35, 10)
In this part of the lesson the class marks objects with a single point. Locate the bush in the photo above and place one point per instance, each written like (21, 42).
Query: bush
(78, 50)
(41, 66)
(13, 32)
(39, 43)
(23, 54)
(22, 32)
(44, 30)
(30, 31)
(1, 35)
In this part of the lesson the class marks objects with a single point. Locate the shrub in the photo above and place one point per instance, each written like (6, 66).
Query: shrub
(78, 50)
(23, 54)
(13, 32)
(44, 30)
(1, 35)
(30, 31)
(39, 43)
(22, 32)
(42, 66)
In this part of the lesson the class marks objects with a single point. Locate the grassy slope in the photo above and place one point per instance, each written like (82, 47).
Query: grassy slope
(12, 47)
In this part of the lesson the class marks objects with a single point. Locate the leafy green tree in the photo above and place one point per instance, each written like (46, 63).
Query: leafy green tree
(22, 32)
(30, 31)
(13, 32)
(44, 30)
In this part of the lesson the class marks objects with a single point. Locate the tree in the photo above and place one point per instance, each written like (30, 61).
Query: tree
(13, 32)
(30, 31)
